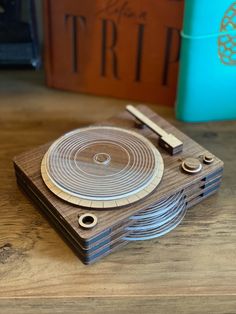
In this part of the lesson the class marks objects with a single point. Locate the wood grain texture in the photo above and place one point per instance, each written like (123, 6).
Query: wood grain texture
(173, 180)
(103, 238)
(191, 270)
(135, 305)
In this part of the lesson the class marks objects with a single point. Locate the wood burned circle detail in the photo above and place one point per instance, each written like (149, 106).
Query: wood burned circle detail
(102, 167)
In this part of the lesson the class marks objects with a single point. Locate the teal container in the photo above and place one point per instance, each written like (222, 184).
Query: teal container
(207, 77)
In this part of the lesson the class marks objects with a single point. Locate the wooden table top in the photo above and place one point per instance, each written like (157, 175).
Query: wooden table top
(190, 270)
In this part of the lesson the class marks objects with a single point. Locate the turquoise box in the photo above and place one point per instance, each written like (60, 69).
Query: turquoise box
(207, 78)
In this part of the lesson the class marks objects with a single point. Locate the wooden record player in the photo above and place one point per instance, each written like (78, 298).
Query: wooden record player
(130, 178)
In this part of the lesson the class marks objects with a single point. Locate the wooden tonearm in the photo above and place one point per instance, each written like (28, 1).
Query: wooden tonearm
(166, 140)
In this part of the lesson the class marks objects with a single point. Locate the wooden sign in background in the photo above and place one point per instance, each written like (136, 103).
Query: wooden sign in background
(125, 49)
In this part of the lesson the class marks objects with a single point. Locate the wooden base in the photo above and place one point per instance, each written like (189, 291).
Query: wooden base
(114, 226)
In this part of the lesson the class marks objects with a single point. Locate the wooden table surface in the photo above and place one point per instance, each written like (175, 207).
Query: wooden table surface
(190, 270)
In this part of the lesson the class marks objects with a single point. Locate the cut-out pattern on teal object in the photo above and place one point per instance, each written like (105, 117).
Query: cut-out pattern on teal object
(227, 42)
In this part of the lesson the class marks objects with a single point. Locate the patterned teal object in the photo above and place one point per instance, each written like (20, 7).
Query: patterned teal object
(207, 78)
(227, 42)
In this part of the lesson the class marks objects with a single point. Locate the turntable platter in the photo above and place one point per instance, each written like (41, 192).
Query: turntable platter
(102, 167)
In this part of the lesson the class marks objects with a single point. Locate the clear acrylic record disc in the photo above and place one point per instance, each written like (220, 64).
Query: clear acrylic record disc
(102, 167)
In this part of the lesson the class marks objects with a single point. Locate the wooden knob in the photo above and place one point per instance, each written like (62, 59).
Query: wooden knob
(191, 165)
(208, 159)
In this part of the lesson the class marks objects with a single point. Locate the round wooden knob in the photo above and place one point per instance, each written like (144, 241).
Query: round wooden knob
(208, 159)
(191, 165)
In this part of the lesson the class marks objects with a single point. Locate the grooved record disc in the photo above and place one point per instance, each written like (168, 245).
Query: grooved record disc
(102, 167)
